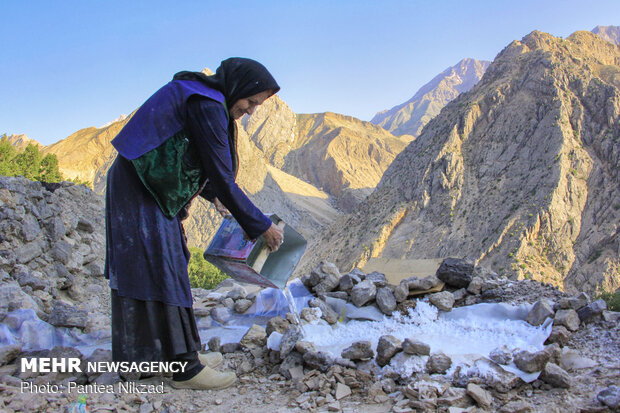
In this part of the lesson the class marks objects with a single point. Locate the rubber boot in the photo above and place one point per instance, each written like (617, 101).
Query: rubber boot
(207, 379)
(213, 359)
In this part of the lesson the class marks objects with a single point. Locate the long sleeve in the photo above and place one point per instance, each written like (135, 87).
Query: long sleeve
(206, 123)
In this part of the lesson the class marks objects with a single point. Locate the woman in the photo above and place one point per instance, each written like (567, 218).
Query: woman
(179, 144)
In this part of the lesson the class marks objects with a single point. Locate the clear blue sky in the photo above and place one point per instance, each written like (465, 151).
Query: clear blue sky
(66, 65)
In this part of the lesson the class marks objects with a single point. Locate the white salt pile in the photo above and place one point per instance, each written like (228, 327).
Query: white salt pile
(465, 334)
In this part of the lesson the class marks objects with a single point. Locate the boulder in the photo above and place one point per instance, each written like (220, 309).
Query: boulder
(385, 300)
(568, 319)
(422, 284)
(481, 396)
(475, 286)
(415, 347)
(237, 293)
(443, 300)
(559, 335)
(214, 344)
(318, 360)
(28, 252)
(65, 315)
(327, 313)
(348, 281)
(377, 278)
(363, 292)
(387, 347)
(360, 350)
(61, 252)
(256, 337)
(289, 339)
(401, 292)
(539, 313)
(501, 355)
(592, 310)
(311, 315)
(610, 397)
(290, 362)
(278, 324)
(438, 363)
(555, 376)
(531, 362)
(221, 314)
(456, 272)
(242, 305)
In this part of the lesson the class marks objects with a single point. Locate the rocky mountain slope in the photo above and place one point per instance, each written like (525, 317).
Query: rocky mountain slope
(520, 173)
(21, 141)
(608, 33)
(410, 117)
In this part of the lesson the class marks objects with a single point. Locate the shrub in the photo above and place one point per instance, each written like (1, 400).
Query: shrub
(203, 274)
(612, 300)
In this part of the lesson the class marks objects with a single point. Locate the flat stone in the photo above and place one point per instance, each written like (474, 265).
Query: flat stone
(611, 316)
(229, 348)
(416, 347)
(304, 346)
(61, 252)
(342, 391)
(438, 363)
(568, 319)
(363, 292)
(481, 396)
(333, 406)
(456, 272)
(28, 252)
(592, 310)
(85, 225)
(65, 315)
(539, 313)
(531, 362)
(610, 397)
(256, 337)
(360, 350)
(555, 376)
(517, 406)
(387, 347)
(385, 300)
(442, 300)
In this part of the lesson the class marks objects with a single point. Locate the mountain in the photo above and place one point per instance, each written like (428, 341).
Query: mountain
(410, 117)
(608, 33)
(520, 174)
(342, 155)
(21, 141)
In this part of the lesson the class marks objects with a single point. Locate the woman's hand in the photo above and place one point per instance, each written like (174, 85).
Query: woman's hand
(274, 237)
(221, 208)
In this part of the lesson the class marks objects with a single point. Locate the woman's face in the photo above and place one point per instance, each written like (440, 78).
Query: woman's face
(247, 105)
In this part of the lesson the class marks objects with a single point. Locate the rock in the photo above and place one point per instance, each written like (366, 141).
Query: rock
(385, 300)
(611, 316)
(531, 362)
(294, 359)
(592, 310)
(333, 406)
(415, 347)
(360, 350)
(65, 315)
(363, 292)
(237, 293)
(8, 353)
(421, 284)
(328, 275)
(278, 324)
(242, 305)
(348, 281)
(228, 303)
(304, 346)
(481, 396)
(221, 314)
(574, 303)
(456, 272)
(341, 295)
(555, 376)
(438, 363)
(55, 229)
(25, 278)
(28, 252)
(610, 397)
(559, 334)
(539, 313)
(61, 252)
(318, 360)
(501, 355)
(459, 294)
(442, 300)
(65, 278)
(107, 378)
(571, 360)
(256, 337)
(377, 278)
(311, 315)
(342, 391)
(85, 225)
(387, 347)
(230, 348)
(475, 286)
(568, 319)
(517, 406)
(30, 228)
(214, 343)
(401, 292)
(289, 339)
(328, 314)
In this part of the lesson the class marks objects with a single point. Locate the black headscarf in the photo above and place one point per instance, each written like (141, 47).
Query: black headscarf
(237, 78)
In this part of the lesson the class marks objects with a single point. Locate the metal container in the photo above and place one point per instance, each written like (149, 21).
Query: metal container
(251, 261)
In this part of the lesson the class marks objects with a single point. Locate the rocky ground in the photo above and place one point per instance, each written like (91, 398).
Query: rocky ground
(51, 257)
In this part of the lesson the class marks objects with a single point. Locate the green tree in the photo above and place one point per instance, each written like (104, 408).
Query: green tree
(28, 162)
(7, 153)
(48, 170)
(203, 274)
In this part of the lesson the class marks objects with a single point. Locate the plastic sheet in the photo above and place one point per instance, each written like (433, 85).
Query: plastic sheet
(24, 327)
